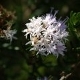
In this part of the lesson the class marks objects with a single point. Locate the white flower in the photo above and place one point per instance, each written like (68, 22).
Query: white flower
(9, 34)
(47, 34)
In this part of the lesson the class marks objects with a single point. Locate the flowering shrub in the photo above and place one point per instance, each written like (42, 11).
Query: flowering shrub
(47, 34)
(6, 21)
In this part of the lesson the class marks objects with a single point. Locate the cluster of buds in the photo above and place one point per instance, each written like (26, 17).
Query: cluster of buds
(47, 34)
(6, 21)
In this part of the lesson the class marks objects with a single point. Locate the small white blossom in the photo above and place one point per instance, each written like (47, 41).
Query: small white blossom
(47, 34)
(44, 78)
(9, 34)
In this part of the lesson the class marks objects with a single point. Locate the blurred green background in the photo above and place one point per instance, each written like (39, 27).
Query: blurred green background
(18, 63)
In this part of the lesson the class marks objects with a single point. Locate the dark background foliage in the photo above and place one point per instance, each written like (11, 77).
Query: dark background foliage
(18, 63)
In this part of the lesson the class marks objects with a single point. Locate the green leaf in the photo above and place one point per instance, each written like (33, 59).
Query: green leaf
(41, 70)
(50, 60)
(73, 24)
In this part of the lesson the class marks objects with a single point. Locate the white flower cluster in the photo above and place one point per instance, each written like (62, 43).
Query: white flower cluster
(47, 34)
